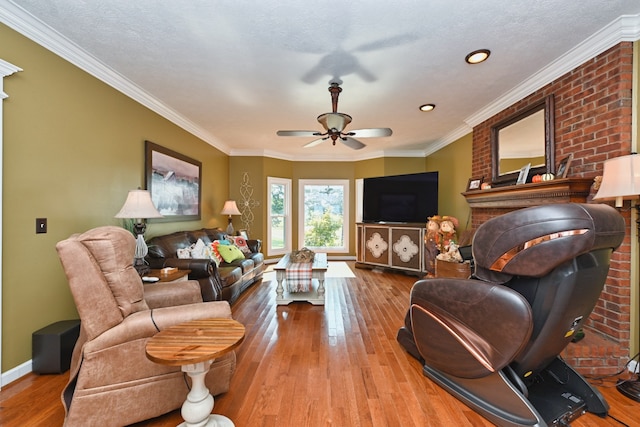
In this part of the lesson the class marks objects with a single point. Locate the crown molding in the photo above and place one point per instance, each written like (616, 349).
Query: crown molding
(34, 29)
(6, 69)
(624, 28)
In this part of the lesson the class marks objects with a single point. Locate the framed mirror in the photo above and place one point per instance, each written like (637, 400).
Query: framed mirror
(526, 137)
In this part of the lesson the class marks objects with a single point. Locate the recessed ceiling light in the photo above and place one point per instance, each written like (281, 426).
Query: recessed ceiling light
(477, 56)
(427, 107)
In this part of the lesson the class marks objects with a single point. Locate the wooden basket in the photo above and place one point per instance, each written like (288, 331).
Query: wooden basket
(460, 270)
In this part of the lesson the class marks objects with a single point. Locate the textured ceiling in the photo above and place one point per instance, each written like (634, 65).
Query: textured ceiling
(234, 72)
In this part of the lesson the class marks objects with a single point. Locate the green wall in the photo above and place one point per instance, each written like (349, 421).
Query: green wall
(257, 169)
(453, 164)
(73, 147)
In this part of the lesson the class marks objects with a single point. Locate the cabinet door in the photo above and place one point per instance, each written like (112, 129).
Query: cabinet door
(376, 245)
(406, 248)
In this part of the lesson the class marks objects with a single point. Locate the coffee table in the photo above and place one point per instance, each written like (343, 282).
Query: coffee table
(315, 297)
(194, 346)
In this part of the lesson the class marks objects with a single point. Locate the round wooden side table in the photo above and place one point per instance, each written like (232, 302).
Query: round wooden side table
(194, 346)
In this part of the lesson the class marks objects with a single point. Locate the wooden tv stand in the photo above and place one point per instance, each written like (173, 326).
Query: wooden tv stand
(398, 246)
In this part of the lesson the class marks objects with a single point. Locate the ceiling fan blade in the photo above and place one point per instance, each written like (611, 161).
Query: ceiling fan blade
(352, 143)
(314, 142)
(305, 133)
(370, 133)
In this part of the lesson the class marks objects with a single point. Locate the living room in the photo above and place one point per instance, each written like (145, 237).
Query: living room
(60, 123)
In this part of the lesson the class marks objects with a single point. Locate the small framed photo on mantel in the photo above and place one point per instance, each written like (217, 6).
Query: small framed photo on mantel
(524, 174)
(563, 166)
(475, 183)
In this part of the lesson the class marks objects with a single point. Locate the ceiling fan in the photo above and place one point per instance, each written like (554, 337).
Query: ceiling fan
(334, 124)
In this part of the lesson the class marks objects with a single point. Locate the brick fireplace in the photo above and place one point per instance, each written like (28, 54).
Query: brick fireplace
(593, 122)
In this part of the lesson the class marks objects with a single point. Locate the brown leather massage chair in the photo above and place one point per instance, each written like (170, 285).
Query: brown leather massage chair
(493, 340)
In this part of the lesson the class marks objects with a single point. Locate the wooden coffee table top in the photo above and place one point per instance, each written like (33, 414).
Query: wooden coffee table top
(195, 341)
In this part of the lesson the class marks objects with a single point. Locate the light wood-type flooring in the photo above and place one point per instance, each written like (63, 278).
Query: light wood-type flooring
(302, 365)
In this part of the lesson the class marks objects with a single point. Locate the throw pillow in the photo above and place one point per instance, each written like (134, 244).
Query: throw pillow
(184, 253)
(241, 243)
(230, 253)
(215, 253)
(199, 250)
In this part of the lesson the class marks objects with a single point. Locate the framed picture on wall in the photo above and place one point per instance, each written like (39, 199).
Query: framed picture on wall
(174, 181)
(524, 174)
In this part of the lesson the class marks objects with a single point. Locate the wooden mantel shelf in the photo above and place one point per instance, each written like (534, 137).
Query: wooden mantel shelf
(564, 190)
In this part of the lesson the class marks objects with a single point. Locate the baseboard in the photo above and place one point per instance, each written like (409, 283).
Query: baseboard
(15, 373)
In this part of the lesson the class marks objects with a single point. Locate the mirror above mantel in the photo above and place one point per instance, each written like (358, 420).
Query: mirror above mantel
(526, 137)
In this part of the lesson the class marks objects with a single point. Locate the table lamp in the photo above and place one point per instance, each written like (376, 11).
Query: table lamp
(230, 208)
(621, 180)
(139, 207)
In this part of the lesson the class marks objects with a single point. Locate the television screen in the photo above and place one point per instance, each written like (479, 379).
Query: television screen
(408, 198)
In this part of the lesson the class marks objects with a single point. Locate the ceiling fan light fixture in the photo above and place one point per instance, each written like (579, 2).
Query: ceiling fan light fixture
(427, 107)
(477, 56)
(336, 121)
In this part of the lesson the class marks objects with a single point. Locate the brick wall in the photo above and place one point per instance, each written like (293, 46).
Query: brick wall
(592, 121)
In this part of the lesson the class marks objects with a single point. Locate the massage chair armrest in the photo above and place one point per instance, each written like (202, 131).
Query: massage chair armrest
(468, 328)
(147, 323)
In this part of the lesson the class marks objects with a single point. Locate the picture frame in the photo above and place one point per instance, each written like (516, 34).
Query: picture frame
(244, 234)
(563, 166)
(174, 181)
(474, 183)
(524, 174)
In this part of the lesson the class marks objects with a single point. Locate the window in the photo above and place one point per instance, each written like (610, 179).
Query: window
(279, 212)
(324, 215)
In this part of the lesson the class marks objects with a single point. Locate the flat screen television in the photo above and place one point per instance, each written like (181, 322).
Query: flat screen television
(410, 198)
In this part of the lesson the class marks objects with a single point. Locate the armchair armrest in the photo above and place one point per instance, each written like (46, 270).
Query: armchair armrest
(142, 324)
(200, 268)
(204, 271)
(171, 294)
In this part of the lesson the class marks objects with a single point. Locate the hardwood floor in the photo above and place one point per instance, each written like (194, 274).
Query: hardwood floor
(303, 365)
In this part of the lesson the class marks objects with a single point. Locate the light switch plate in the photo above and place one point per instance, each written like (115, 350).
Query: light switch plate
(41, 225)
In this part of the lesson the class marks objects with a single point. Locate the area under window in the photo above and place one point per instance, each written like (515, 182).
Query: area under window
(279, 216)
(324, 215)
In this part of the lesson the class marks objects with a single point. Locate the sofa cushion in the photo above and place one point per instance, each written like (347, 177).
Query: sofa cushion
(167, 246)
(229, 275)
(245, 264)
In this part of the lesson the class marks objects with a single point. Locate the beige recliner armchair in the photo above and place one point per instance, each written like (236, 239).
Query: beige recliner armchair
(112, 383)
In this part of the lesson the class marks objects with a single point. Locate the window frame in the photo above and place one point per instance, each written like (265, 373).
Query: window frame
(287, 218)
(346, 223)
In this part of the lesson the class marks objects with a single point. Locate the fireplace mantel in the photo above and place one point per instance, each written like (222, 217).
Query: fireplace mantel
(562, 190)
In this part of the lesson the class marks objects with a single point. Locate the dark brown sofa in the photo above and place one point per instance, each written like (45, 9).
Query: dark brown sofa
(224, 282)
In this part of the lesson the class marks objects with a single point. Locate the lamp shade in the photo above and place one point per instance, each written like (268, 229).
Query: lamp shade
(138, 205)
(230, 208)
(620, 179)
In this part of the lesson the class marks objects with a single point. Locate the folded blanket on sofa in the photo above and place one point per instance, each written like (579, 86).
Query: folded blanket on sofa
(298, 276)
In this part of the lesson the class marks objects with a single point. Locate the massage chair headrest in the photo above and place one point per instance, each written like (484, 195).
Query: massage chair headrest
(533, 241)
